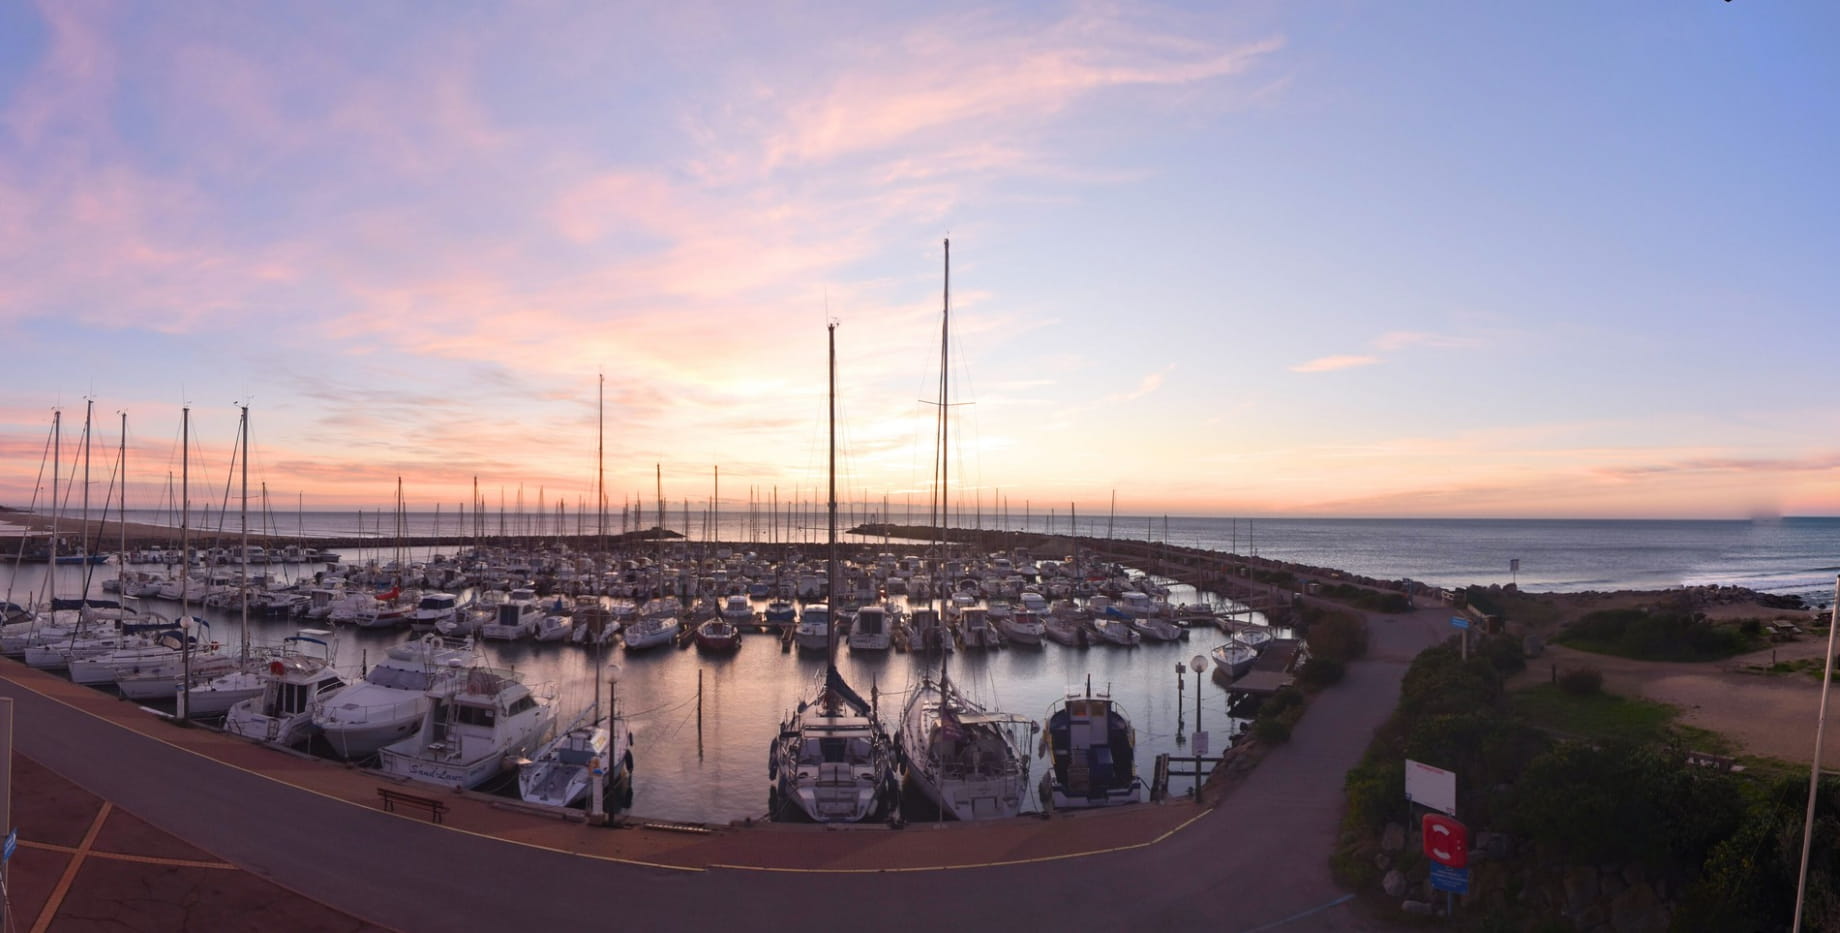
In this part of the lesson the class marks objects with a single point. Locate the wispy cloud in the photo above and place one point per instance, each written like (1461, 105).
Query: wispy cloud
(1325, 364)
(1148, 384)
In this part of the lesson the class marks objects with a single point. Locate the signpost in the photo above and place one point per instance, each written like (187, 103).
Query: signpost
(1450, 880)
(1431, 787)
(1462, 625)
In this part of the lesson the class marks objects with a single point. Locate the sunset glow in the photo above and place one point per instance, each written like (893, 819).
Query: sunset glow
(1252, 259)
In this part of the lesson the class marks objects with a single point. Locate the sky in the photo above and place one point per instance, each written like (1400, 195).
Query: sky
(1352, 258)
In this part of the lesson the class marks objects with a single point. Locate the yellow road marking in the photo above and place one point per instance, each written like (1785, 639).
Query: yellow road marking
(1035, 860)
(125, 857)
(56, 899)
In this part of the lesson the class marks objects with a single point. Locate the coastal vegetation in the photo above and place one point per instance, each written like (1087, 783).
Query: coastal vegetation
(1659, 635)
(1582, 805)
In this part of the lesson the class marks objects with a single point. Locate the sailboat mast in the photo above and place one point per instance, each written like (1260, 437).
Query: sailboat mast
(186, 637)
(89, 408)
(830, 578)
(57, 506)
(245, 587)
(121, 460)
(600, 474)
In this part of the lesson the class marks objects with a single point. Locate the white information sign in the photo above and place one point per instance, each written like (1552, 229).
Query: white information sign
(1432, 787)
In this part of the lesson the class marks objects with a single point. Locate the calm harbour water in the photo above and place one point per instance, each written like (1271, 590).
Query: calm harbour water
(746, 695)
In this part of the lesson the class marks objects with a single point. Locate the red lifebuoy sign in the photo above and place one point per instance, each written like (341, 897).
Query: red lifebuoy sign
(1446, 840)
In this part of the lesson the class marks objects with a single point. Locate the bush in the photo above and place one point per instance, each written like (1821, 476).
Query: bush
(1334, 634)
(1504, 652)
(1321, 672)
(1661, 635)
(1271, 731)
(1582, 681)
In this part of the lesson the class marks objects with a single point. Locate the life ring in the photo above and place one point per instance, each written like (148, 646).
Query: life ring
(277, 668)
(431, 641)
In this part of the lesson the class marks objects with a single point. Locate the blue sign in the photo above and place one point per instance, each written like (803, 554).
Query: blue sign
(1459, 622)
(1454, 880)
(12, 842)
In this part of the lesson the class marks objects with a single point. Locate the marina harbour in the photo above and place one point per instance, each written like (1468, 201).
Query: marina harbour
(701, 723)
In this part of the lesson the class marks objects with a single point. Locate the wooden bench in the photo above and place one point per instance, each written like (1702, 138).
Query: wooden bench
(391, 798)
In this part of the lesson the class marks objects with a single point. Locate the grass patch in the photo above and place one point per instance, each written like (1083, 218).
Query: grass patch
(1595, 715)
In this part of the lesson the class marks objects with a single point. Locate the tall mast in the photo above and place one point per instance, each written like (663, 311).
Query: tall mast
(57, 505)
(600, 477)
(245, 445)
(941, 459)
(89, 408)
(830, 651)
(121, 462)
(186, 637)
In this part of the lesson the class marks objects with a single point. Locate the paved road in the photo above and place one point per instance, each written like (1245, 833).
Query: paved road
(1257, 862)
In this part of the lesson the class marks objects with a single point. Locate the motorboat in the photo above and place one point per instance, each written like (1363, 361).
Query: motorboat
(389, 703)
(432, 610)
(1232, 660)
(813, 632)
(475, 725)
(295, 680)
(1022, 627)
(563, 771)
(874, 628)
(717, 635)
(975, 630)
(517, 618)
(1093, 748)
(737, 610)
(1112, 630)
(929, 633)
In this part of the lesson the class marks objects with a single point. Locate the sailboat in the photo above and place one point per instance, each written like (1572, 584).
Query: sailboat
(594, 752)
(962, 757)
(832, 761)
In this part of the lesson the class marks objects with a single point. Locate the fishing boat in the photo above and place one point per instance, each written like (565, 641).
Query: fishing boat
(831, 761)
(1093, 750)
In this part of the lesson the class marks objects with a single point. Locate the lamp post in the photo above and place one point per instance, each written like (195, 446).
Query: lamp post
(1181, 738)
(1198, 663)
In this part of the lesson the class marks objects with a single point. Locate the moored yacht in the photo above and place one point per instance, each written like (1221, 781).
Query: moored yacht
(389, 703)
(477, 724)
(295, 679)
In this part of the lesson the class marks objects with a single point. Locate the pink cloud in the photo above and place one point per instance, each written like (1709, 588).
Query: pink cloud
(1332, 363)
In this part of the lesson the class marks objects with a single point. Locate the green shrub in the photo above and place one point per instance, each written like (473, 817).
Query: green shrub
(1321, 672)
(1271, 731)
(1660, 635)
(1504, 652)
(1582, 681)
(1334, 634)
